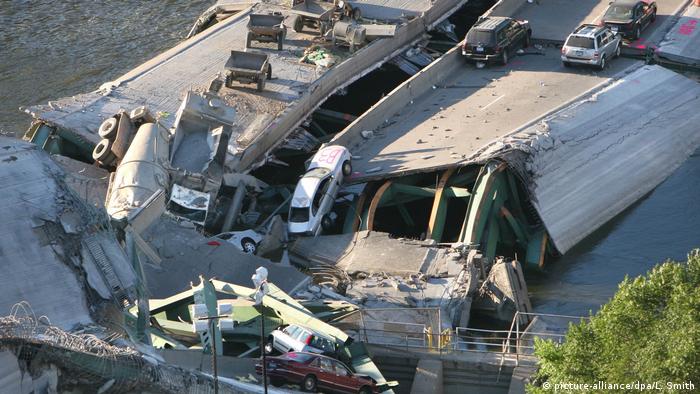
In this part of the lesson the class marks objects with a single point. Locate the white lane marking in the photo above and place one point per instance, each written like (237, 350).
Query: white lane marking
(493, 102)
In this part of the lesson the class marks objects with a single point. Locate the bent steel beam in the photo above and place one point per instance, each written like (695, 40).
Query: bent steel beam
(438, 214)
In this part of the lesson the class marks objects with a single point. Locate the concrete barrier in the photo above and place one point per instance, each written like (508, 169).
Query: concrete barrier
(364, 61)
(505, 8)
(400, 97)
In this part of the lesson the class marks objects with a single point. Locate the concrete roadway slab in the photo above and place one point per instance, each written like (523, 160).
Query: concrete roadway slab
(451, 122)
(553, 20)
(682, 43)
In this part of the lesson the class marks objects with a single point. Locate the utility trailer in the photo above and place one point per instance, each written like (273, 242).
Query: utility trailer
(266, 28)
(248, 67)
(312, 13)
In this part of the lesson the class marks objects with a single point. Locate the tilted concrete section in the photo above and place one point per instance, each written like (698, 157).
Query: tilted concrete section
(682, 42)
(265, 118)
(50, 247)
(445, 114)
(186, 254)
(588, 162)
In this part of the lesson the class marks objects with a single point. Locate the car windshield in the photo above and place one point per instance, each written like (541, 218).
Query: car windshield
(318, 172)
(322, 344)
(623, 12)
(480, 36)
(580, 42)
(299, 215)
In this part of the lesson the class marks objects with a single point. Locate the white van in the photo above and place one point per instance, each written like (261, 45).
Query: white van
(316, 191)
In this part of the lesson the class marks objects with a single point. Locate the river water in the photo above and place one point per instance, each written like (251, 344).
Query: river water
(52, 49)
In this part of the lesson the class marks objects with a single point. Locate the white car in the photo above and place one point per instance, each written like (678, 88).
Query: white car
(295, 338)
(246, 240)
(316, 191)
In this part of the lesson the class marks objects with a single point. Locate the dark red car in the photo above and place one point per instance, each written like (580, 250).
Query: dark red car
(315, 372)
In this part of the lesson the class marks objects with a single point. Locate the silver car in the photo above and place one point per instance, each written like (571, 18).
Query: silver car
(295, 338)
(592, 45)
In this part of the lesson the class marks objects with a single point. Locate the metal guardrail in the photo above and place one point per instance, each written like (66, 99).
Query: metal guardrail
(517, 341)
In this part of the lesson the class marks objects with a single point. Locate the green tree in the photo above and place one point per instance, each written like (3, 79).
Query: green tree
(648, 332)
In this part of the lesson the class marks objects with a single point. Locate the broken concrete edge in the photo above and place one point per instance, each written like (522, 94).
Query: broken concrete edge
(414, 87)
(505, 8)
(407, 36)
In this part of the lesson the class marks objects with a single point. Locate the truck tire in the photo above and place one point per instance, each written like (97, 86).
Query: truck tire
(297, 22)
(504, 58)
(280, 40)
(268, 74)
(103, 153)
(261, 84)
(108, 128)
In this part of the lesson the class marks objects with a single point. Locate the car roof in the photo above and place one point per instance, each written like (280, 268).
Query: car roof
(491, 22)
(588, 30)
(315, 333)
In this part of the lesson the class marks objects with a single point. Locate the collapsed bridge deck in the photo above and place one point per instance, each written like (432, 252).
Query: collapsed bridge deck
(263, 119)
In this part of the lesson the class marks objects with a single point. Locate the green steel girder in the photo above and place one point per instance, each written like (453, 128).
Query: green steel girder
(405, 215)
(536, 249)
(485, 190)
(438, 212)
(520, 233)
(494, 216)
(418, 191)
(465, 178)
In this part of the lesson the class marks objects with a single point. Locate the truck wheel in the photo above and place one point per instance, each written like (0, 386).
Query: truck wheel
(108, 128)
(297, 23)
(504, 59)
(602, 63)
(269, 71)
(261, 84)
(248, 40)
(140, 115)
(309, 383)
(280, 41)
(323, 27)
(347, 168)
(103, 152)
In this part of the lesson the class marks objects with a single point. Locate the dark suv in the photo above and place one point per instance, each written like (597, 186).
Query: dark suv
(630, 17)
(496, 38)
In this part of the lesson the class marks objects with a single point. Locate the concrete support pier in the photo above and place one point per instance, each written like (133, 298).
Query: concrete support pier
(428, 377)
